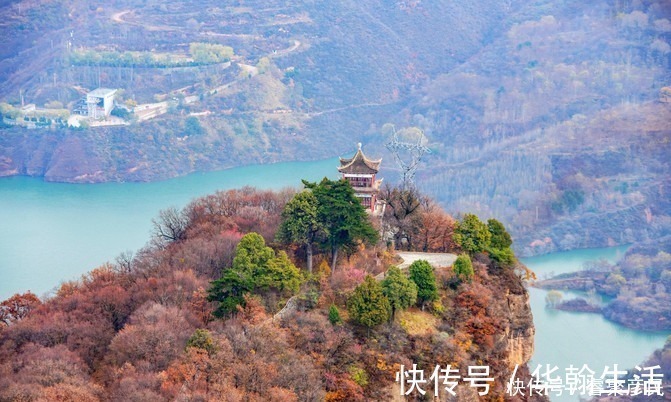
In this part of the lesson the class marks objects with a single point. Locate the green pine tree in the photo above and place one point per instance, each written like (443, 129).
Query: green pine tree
(500, 239)
(334, 315)
(499, 248)
(472, 234)
(256, 268)
(463, 268)
(421, 273)
(368, 306)
(300, 224)
(401, 291)
(342, 215)
(202, 339)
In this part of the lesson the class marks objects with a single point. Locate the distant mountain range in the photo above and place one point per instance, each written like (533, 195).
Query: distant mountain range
(549, 115)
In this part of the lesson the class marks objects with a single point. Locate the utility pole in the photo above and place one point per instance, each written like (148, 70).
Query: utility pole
(416, 151)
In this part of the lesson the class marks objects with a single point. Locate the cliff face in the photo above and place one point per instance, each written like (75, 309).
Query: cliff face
(510, 304)
(517, 335)
(492, 315)
(520, 331)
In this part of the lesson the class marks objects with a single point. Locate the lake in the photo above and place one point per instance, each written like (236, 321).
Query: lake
(52, 232)
(564, 338)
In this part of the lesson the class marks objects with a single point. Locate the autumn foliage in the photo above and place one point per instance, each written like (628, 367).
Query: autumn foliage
(142, 328)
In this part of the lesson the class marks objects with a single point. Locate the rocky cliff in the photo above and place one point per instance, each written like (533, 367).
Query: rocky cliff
(520, 331)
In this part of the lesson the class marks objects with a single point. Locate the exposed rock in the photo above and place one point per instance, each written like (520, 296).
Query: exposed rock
(520, 331)
(289, 308)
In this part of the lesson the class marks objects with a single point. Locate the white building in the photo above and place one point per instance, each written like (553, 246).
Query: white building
(100, 102)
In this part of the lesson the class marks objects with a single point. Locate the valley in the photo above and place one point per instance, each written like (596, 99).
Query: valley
(528, 108)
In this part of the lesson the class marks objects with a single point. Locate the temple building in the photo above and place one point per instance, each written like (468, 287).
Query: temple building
(360, 172)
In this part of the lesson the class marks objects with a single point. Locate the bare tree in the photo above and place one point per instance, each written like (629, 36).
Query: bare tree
(124, 262)
(170, 225)
(403, 213)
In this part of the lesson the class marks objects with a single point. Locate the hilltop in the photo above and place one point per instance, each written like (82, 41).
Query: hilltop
(208, 311)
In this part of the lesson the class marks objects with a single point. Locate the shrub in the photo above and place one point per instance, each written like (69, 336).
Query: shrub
(463, 268)
(421, 272)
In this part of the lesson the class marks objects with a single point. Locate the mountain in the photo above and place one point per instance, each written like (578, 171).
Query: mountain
(552, 116)
(143, 328)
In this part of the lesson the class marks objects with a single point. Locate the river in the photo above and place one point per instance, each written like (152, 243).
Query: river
(52, 232)
(564, 338)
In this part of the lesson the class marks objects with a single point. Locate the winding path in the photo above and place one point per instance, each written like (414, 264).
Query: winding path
(157, 109)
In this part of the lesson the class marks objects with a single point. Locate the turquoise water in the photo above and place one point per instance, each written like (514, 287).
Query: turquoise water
(52, 232)
(564, 338)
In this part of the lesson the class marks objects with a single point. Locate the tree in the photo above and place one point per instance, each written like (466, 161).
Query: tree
(463, 268)
(208, 53)
(472, 234)
(192, 126)
(403, 213)
(18, 307)
(499, 245)
(155, 334)
(170, 225)
(436, 233)
(121, 112)
(421, 272)
(256, 268)
(401, 291)
(342, 216)
(500, 239)
(334, 315)
(300, 224)
(615, 281)
(202, 339)
(368, 305)
(506, 256)
(553, 298)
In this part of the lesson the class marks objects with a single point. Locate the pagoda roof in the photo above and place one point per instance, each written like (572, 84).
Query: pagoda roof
(359, 164)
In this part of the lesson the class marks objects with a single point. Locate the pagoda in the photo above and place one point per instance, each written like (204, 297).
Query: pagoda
(360, 172)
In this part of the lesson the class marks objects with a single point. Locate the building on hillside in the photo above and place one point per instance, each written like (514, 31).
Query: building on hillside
(100, 102)
(361, 173)
(80, 107)
(28, 108)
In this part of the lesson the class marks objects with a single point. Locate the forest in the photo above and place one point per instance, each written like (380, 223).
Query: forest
(551, 116)
(190, 316)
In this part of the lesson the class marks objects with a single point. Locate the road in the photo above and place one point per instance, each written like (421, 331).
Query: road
(437, 260)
